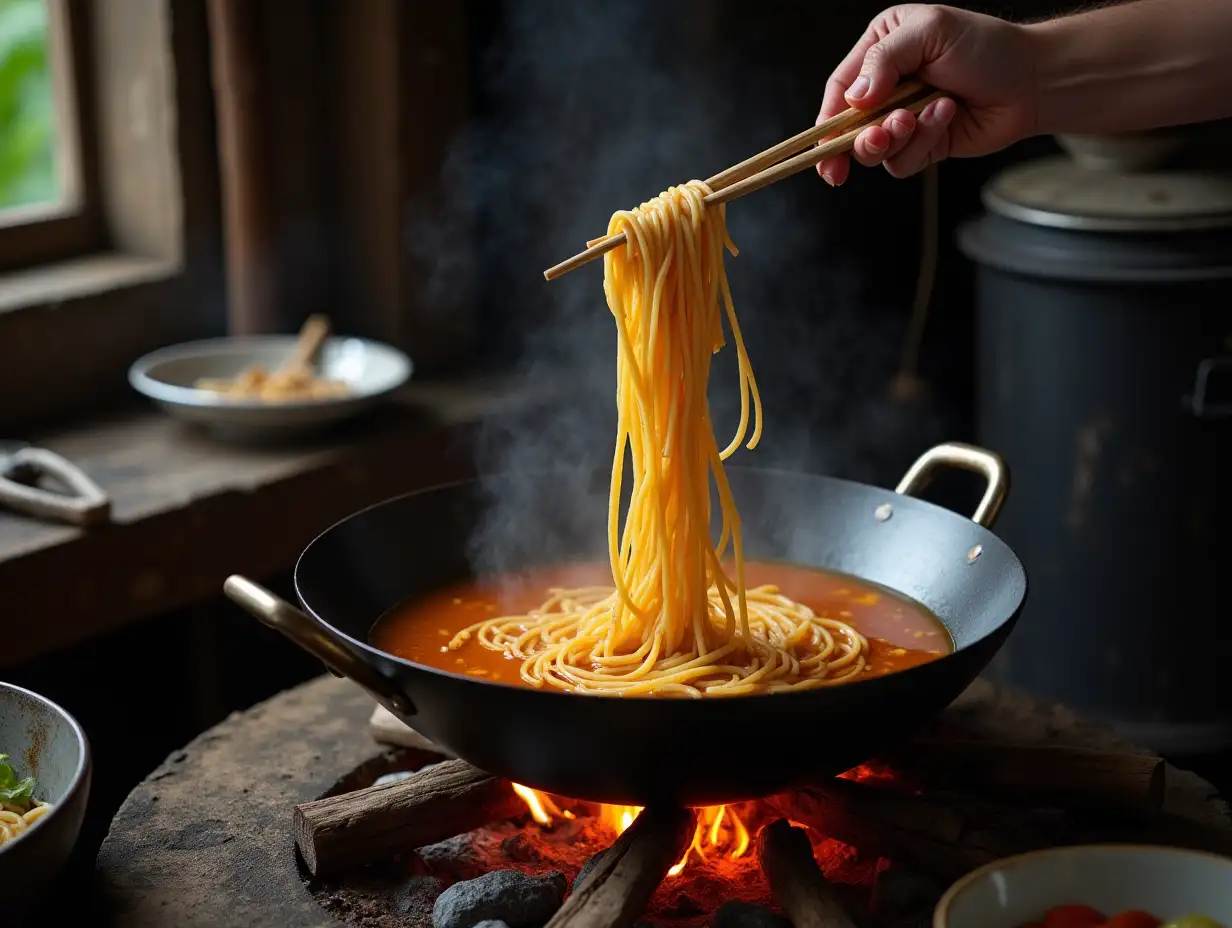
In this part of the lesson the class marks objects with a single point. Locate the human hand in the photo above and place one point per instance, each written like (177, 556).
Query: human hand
(986, 63)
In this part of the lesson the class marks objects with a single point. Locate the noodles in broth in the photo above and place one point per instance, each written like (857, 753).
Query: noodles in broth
(674, 621)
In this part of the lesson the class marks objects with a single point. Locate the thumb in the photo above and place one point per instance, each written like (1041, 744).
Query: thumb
(897, 55)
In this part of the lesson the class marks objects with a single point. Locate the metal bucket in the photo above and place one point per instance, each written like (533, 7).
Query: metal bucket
(1105, 350)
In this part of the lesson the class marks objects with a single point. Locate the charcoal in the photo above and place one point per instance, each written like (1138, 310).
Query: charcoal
(900, 893)
(521, 849)
(520, 901)
(588, 865)
(738, 914)
(458, 850)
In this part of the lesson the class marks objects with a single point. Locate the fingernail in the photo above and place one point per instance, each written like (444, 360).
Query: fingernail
(900, 127)
(875, 147)
(828, 179)
(937, 115)
(858, 89)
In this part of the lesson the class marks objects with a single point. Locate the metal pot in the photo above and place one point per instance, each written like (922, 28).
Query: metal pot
(1104, 339)
(643, 750)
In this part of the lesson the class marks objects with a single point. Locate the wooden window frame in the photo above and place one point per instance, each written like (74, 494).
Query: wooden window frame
(136, 264)
(71, 226)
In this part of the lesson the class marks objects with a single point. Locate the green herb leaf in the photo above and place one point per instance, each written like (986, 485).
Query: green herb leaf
(11, 788)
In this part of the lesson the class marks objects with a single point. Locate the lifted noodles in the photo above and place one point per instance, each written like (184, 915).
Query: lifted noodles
(674, 622)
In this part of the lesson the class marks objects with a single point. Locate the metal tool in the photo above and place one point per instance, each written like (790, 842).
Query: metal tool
(23, 472)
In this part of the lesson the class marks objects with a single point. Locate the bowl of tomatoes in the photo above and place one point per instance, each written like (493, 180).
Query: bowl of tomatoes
(1094, 886)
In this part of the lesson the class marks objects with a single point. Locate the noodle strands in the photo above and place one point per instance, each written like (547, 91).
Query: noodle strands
(675, 621)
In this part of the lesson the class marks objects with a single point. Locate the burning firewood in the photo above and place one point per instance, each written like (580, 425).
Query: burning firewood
(786, 857)
(432, 804)
(940, 833)
(621, 883)
(1108, 781)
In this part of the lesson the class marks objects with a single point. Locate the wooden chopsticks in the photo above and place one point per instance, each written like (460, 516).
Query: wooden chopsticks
(765, 168)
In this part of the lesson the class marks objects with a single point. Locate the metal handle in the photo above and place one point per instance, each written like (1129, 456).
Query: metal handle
(85, 504)
(964, 457)
(319, 640)
(1197, 403)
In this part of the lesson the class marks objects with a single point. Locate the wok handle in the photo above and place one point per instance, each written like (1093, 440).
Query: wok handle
(318, 639)
(964, 457)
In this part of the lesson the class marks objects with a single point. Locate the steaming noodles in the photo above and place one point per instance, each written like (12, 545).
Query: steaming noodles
(670, 618)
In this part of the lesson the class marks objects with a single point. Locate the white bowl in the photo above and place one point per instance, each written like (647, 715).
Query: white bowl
(1166, 882)
(44, 742)
(371, 370)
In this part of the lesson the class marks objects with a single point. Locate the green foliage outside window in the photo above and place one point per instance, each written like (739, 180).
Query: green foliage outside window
(27, 106)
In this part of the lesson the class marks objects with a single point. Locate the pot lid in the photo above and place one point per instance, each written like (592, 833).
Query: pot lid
(1060, 192)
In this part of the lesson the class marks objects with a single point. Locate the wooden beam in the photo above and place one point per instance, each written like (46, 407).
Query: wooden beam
(249, 225)
(365, 141)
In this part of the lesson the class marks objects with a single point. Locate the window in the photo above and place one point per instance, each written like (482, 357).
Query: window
(47, 209)
(109, 224)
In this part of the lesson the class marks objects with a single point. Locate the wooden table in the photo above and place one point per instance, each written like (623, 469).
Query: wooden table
(206, 839)
(188, 510)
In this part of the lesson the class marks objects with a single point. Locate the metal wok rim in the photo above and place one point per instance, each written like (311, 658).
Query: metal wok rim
(370, 652)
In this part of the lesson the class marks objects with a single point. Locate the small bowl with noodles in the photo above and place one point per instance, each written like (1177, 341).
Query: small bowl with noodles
(271, 386)
(44, 787)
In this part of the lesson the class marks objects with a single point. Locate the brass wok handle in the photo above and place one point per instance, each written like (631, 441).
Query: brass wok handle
(964, 457)
(316, 638)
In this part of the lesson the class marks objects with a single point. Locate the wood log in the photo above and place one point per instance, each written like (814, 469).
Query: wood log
(939, 833)
(387, 728)
(806, 896)
(1035, 774)
(618, 888)
(435, 803)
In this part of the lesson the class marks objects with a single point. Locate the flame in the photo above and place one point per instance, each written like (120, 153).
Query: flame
(542, 809)
(720, 829)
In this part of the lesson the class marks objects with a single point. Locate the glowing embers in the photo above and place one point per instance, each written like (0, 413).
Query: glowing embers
(722, 832)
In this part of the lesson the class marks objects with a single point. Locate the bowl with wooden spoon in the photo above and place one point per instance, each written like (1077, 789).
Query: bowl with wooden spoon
(271, 385)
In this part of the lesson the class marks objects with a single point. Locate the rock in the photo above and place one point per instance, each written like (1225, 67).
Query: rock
(520, 901)
(738, 914)
(900, 892)
(588, 865)
(491, 923)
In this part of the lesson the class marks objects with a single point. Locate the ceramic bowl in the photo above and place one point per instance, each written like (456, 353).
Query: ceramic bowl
(45, 742)
(1166, 882)
(370, 369)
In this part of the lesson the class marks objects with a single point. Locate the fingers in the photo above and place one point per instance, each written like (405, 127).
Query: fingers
(929, 143)
(835, 170)
(896, 44)
(873, 146)
(880, 143)
(885, 63)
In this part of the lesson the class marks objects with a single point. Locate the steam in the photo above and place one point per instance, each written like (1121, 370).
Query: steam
(595, 107)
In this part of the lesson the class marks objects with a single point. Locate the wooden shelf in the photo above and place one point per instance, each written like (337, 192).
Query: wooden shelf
(189, 510)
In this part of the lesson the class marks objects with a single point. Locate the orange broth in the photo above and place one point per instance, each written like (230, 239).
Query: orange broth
(901, 633)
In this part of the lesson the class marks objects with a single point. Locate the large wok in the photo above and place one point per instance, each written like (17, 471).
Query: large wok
(644, 750)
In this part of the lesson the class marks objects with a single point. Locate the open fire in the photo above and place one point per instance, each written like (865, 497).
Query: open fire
(721, 832)
(883, 839)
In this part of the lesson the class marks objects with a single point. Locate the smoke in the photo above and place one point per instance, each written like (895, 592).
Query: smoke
(588, 108)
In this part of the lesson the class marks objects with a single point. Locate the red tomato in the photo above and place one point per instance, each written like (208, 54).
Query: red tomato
(1133, 919)
(1073, 916)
